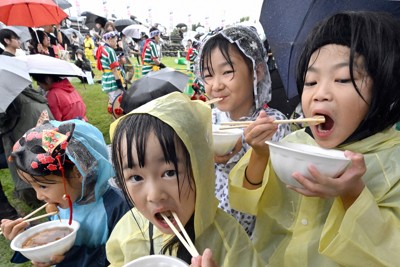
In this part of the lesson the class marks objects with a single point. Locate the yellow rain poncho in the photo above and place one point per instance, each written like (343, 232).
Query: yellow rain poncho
(294, 230)
(214, 228)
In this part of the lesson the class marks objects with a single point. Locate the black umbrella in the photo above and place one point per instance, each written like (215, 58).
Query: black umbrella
(181, 25)
(92, 19)
(152, 86)
(121, 24)
(287, 23)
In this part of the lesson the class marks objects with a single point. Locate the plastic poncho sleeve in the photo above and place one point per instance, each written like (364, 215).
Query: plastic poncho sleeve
(243, 199)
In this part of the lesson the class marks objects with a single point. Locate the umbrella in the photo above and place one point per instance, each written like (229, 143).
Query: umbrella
(14, 78)
(287, 23)
(181, 25)
(31, 13)
(64, 4)
(70, 31)
(42, 64)
(22, 31)
(92, 19)
(134, 31)
(120, 24)
(153, 85)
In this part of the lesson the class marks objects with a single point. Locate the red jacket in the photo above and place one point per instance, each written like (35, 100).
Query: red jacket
(65, 102)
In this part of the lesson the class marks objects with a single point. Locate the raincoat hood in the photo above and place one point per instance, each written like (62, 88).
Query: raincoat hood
(81, 142)
(64, 85)
(191, 122)
(252, 47)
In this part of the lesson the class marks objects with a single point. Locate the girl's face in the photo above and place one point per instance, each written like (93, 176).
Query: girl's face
(51, 188)
(154, 187)
(234, 85)
(328, 91)
(46, 41)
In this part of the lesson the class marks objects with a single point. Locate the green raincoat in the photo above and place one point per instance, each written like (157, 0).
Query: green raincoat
(214, 228)
(294, 230)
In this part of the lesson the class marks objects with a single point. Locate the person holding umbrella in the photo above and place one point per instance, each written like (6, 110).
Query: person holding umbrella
(19, 116)
(348, 71)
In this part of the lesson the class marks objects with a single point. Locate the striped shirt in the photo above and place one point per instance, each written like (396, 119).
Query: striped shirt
(150, 53)
(108, 61)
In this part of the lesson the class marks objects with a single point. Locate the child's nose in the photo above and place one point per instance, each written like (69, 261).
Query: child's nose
(155, 192)
(323, 92)
(39, 195)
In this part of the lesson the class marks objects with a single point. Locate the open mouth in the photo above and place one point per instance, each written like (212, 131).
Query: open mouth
(165, 213)
(327, 125)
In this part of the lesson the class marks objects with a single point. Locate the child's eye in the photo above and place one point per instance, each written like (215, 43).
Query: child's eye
(343, 80)
(42, 186)
(135, 178)
(310, 83)
(228, 72)
(170, 173)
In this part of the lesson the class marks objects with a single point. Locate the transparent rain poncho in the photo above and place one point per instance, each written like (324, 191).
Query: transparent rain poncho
(250, 44)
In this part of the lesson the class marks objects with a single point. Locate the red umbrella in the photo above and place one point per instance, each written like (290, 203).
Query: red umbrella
(31, 13)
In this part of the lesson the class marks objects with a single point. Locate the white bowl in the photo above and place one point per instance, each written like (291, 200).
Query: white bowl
(157, 261)
(288, 158)
(225, 140)
(43, 253)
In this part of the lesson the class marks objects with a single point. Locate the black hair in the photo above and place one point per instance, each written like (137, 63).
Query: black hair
(135, 129)
(41, 35)
(376, 37)
(7, 34)
(68, 167)
(220, 42)
(42, 78)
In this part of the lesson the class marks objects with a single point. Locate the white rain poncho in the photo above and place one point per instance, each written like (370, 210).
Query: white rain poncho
(214, 228)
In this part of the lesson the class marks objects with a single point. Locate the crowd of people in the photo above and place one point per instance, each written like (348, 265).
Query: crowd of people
(233, 207)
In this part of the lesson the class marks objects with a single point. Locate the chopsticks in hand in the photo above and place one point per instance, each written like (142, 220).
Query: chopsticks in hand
(186, 242)
(26, 218)
(243, 124)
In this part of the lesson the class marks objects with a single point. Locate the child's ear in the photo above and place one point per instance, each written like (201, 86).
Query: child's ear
(76, 173)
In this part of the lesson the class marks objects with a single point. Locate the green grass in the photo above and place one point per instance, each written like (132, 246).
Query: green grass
(96, 112)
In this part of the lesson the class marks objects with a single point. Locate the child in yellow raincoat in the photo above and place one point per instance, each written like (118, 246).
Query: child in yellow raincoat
(163, 158)
(348, 72)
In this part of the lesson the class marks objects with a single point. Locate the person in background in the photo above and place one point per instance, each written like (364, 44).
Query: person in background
(233, 66)
(88, 45)
(83, 63)
(44, 46)
(20, 116)
(150, 55)
(64, 101)
(348, 72)
(107, 61)
(81, 190)
(162, 153)
(128, 52)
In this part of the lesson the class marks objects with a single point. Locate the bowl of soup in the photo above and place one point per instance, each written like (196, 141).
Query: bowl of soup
(225, 140)
(157, 261)
(287, 158)
(42, 241)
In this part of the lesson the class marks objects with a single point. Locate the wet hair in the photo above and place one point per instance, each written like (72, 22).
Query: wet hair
(7, 34)
(223, 45)
(376, 37)
(42, 78)
(135, 129)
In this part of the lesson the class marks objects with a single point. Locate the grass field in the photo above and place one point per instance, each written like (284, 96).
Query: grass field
(96, 105)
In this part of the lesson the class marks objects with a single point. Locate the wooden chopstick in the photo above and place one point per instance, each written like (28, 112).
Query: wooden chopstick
(38, 217)
(243, 124)
(190, 247)
(35, 211)
(214, 100)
